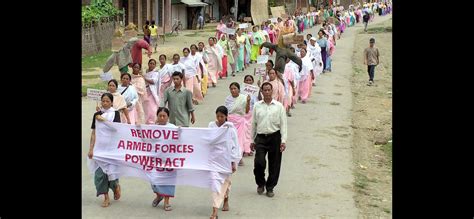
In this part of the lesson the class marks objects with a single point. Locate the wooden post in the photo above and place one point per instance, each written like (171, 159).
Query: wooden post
(139, 13)
(148, 12)
(130, 12)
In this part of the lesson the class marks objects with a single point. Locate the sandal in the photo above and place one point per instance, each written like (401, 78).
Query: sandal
(214, 217)
(168, 208)
(157, 201)
(117, 192)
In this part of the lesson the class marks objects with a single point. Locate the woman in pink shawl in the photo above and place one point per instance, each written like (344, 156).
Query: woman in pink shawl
(288, 77)
(164, 73)
(197, 94)
(219, 29)
(278, 86)
(238, 105)
(214, 63)
(248, 79)
(138, 82)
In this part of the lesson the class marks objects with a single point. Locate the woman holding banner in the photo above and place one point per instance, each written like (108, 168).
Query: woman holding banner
(163, 191)
(236, 155)
(238, 105)
(104, 181)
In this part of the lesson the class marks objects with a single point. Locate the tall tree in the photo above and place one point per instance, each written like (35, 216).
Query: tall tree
(223, 8)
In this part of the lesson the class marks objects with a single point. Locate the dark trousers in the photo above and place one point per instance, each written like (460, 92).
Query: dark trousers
(370, 70)
(267, 144)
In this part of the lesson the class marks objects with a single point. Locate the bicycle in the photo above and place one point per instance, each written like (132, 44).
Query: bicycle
(177, 26)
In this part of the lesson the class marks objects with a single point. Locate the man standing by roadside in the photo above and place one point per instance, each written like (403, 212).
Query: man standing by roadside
(201, 21)
(268, 136)
(371, 59)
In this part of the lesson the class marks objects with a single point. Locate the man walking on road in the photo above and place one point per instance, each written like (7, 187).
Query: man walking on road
(179, 100)
(371, 59)
(268, 136)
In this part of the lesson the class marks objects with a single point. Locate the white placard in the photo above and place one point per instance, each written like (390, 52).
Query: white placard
(248, 89)
(94, 94)
(244, 25)
(262, 59)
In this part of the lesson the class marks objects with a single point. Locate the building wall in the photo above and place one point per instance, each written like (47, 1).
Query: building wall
(97, 38)
(178, 11)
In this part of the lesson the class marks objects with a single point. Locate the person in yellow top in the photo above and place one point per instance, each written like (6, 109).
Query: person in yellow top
(154, 34)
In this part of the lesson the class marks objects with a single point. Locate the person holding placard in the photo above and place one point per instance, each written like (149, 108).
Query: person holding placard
(238, 105)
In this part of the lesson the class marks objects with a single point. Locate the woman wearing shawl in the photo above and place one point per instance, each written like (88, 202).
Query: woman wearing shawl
(235, 53)
(228, 55)
(130, 94)
(197, 93)
(191, 65)
(139, 83)
(164, 73)
(323, 43)
(150, 103)
(220, 27)
(288, 77)
(248, 79)
(214, 62)
(236, 155)
(248, 48)
(241, 47)
(257, 40)
(119, 101)
(204, 73)
(103, 181)
(307, 76)
(238, 105)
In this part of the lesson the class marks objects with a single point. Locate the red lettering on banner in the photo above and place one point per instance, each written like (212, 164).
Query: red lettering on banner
(175, 135)
(178, 165)
(121, 145)
(166, 134)
(157, 147)
(190, 147)
(129, 145)
(127, 157)
(134, 132)
(168, 162)
(156, 132)
(172, 148)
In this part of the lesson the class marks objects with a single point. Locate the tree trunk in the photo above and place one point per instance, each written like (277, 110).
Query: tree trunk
(223, 8)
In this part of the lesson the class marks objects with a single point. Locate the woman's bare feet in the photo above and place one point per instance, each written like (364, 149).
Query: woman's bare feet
(106, 202)
(117, 192)
(214, 213)
(226, 204)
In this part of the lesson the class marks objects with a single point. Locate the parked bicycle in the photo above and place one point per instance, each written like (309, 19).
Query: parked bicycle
(177, 26)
